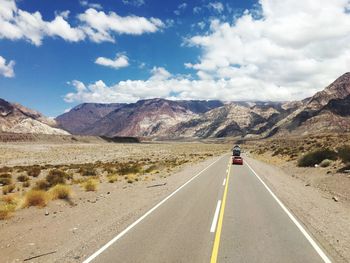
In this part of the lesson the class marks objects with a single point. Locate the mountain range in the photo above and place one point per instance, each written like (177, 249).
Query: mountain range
(326, 111)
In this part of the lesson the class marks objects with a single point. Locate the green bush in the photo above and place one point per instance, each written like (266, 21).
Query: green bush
(344, 153)
(316, 157)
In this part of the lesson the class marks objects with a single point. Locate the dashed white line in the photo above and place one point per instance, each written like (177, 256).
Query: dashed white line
(294, 220)
(216, 216)
(224, 182)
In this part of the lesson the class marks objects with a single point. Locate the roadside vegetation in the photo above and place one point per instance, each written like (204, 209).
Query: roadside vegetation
(321, 150)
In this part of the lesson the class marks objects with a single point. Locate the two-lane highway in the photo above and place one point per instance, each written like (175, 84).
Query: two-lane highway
(223, 214)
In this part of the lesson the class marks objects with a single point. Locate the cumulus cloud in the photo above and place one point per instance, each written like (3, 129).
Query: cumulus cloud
(294, 47)
(18, 24)
(100, 26)
(120, 61)
(163, 84)
(6, 69)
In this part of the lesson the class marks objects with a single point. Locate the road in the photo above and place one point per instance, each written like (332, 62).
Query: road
(224, 214)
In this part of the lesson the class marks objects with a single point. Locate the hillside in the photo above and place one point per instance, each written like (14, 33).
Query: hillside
(15, 118)
(326, 111)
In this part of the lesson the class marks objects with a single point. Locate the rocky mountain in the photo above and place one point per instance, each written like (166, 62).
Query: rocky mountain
(81, 117)
(151, 117)
(15, 118)
(232, 119)
(326, 111)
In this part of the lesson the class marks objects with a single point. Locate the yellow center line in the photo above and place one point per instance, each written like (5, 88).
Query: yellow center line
(214, 254)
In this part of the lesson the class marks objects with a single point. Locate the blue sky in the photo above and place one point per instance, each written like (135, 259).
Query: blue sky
(228, 50)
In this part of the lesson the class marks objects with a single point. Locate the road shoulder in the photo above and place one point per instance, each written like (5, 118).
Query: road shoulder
(328, 221)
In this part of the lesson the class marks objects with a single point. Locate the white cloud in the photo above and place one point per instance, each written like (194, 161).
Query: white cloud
(100, 26)
(6, 69)
(18, 24)
(217, 6)
(120, 61)
(136, 3)
(293, 50)
(163, 84)
(295, 47)
(85, 3)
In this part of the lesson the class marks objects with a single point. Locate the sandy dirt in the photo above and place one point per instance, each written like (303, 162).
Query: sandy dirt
(309, 193)
(72, 230)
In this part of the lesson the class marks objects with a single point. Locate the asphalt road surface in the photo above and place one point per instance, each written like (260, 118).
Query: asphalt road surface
(226, 213)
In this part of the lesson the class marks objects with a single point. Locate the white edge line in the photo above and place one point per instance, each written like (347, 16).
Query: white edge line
(98, 252)
(295, 221)
(215, 219)
(224, 182)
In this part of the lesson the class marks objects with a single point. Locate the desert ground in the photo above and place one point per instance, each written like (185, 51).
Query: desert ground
(99, 189)
(104, 187)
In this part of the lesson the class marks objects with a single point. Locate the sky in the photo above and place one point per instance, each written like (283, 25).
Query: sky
(55, 55)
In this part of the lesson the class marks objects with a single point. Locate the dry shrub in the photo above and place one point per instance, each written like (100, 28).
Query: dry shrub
(87, 170)
(316, 157)
(26, 184)
(344, 153)
(129, 168)
(112, 178)
(61, 191)
(22, 178)
(42, 185)
(34, 171)
(90, 185)
(6, 169)
(56, 176)
(35, 198)
(8, 189)
(6, 210)
(131, 178)
(5, 179)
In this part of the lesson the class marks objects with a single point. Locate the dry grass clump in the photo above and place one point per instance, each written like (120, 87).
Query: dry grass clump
(8, 189)
(6, 169)
(5, 179)
(57, 176)
(130, 178)
(34, 171)
(22, 178)
(60, 191)
(8, 205)
(88, 170)
(36, 198)
(6, 210)
(112, 178)
(90, 185)
(129, 168)
(42, 185)
(26, 184)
